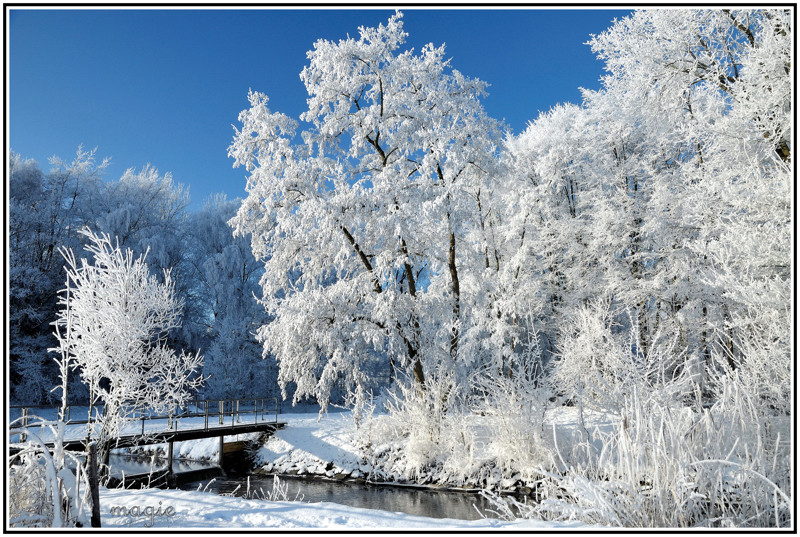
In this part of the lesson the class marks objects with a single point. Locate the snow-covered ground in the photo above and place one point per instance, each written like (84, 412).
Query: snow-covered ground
(326, 447)
(309, 442)
(191, 509)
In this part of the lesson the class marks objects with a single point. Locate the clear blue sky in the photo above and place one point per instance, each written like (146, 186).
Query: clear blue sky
(165, 86)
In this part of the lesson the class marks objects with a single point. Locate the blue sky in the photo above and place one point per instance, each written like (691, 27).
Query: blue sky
(164, 86)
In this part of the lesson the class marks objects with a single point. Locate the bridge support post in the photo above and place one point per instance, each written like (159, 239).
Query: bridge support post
(24, 437)
(169, 460)
(221, 448)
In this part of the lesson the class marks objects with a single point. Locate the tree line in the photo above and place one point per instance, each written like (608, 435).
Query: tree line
(213, 273)
(405, 236)
(404, 226)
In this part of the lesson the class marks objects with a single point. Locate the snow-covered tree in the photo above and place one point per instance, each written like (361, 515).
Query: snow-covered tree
(113, 323)
(657, 218)
(370, 229)
(45, 212)
(225, 290)
(146, 212)
(666, 183)
(710, 93)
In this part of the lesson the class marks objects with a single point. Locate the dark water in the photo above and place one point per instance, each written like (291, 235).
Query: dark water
(432, 504)
(130, 465)
(141, 465)
(420, 502)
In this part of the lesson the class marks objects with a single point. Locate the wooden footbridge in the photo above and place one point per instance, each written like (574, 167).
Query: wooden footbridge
(197, 419)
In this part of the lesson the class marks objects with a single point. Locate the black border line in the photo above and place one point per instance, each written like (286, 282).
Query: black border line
(363, 6)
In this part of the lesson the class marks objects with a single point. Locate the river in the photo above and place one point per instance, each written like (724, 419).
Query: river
(393, 498)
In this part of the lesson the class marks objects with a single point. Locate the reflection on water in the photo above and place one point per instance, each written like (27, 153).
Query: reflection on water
(428, 503)
(134, 465)
(142, 465)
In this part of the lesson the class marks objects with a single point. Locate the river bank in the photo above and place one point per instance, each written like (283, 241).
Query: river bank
(311, 446)
(332, 447)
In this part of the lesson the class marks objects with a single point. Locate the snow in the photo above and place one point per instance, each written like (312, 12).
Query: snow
(641, 265)
(194, 509)
(309, 442)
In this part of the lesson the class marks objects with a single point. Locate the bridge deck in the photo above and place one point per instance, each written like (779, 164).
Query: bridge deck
(132, 440)
(190, 424)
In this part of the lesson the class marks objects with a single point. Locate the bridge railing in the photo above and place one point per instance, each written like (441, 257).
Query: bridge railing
(220, 410)
(215, 412)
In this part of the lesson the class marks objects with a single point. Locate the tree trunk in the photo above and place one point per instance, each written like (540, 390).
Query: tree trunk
(643, 336)
(411, 347)
(419, 375)
(94, 484)
(456, 295)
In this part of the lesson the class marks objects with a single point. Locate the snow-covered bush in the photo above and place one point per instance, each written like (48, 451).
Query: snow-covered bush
(43, 490)
(513, 407)
(600, 364)
(667, 464)
(112, 327)
(488, 433)
(425, 434)
(697, 443)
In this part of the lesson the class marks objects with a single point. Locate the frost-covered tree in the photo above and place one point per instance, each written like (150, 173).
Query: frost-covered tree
(45, 212)
(548, 214)
(666, 183)
(370, 228)
(662, 240)
(225, 290)
(146, 212)
(113, 323)
(144, 209)
(710, 93)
